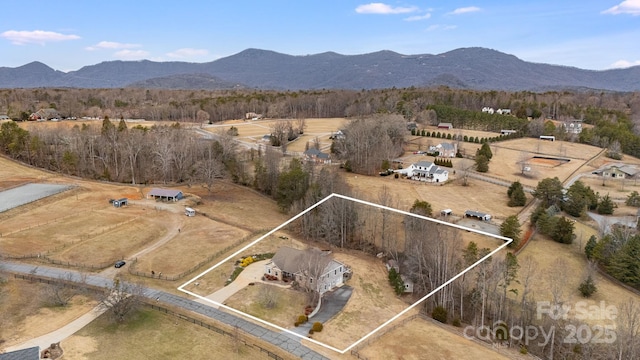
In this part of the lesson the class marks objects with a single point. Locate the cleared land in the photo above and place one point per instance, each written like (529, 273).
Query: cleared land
(153, 335)
(26, 313)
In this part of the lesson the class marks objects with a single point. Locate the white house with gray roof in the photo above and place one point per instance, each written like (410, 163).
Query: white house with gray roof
(447, 149)
(425, 171)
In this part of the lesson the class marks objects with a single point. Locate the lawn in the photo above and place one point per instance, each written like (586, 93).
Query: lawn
(153, 335)
(288, 303)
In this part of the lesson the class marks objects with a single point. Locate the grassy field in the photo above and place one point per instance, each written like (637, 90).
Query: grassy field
(26, 313)
(288, 304)
(435, 343)
(153, 335)
(198, 239)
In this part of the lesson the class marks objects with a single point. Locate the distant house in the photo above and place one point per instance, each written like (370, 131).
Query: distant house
(252, 116)
(44, 114)
(338, 135)
(508, 132)
(503, 111)
(4, 117)
(447, 149)
(618, 171)
(412, 126)
(448, 126)
(266, 138)
(477, 215)
(165, 194)
(573, 126)
(407, 284)
(488, 110)
(548, 137)
(316, 156)
(298, 265)
(425, 171)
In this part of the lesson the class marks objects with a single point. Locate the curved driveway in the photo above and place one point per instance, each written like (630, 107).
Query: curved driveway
(332, 304)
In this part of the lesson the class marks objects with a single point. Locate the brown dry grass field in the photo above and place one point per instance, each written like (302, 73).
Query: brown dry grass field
(434, 343)
(478, 195)
(546, 252)
(198, 239)
(25, 314)
(237, 211)
(252, 131)
(153, 335)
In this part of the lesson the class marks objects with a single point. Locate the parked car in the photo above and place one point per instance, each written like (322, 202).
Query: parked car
(120, 263)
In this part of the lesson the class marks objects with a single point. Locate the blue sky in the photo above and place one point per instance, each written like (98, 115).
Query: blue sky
(69, 34)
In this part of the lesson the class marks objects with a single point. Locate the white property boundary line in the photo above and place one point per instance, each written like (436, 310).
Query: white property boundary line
(181, 287)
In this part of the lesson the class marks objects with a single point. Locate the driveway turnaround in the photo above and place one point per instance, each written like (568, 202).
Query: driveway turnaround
(286, 342)
(332, 303)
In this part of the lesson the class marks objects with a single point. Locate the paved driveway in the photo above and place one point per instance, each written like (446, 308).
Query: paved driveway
(332, 304)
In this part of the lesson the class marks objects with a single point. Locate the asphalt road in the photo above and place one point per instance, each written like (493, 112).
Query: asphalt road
(285, 342)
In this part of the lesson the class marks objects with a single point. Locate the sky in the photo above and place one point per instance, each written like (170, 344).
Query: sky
(70, 34)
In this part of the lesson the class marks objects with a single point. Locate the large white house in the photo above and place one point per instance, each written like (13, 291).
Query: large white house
(425, 171)
(312, 268)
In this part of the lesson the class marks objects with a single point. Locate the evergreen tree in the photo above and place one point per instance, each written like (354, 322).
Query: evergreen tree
(122, 125)
(549, 191)
(606, 206)
(579, 198)
(516, 195)
(588, 287)
(589, 248)
(633, 199)
(563, 231)
(421, 208)
(482, 163)
(625, 264)
(511, 228)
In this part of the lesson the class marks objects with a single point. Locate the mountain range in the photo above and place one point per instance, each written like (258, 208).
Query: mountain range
(466, 68)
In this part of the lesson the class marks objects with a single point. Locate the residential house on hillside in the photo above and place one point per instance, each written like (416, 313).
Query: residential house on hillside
(503, 111)
(4, 117)
(488, 110)
(447, 149)
(317, 156)
(312, 268)
(252, 116)
(573, 126)
(425, 171)
(44, 114)
(338, 135)
(448, 126)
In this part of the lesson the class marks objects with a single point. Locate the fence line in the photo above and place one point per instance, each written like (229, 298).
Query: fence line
(202, 263)
(234, 335)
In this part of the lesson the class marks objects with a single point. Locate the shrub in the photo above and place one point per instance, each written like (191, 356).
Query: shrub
(296, 324)
(317, 326)
(439, 313)
(587, 287)
(310, 331)
(523, 350)
(303, 319)
(456, 322)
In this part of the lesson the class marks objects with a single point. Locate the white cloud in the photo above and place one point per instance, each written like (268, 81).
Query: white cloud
(626, 7)
(111, 45)
(441, 27)
(621, 64)
(131, 54)
(187, 53)
(465, 10)
(418, 17)
(35, 37)
(381, 8)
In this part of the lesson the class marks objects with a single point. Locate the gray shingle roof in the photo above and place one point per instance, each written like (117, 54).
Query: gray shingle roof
(32, 353)
(164, 192)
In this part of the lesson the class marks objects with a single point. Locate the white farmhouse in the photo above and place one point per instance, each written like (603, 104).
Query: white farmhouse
(425, 171)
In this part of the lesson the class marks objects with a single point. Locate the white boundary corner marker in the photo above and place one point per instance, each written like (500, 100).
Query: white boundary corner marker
(506, 240)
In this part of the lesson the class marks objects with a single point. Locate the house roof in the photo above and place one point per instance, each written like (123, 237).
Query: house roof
(425, 164)
(164, 192)
(447, 146)
(294, 261)
(32, 353)
(475, 213)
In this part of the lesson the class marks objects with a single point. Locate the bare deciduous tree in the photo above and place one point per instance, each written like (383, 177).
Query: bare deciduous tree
(121, 299)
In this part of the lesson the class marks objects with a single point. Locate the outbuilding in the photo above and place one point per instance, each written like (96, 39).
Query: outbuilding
(478, 215)
(165, 194)
(448, 126)
(120, 202)
(189, 211)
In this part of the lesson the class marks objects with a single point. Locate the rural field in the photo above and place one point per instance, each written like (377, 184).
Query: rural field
(80, 226)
